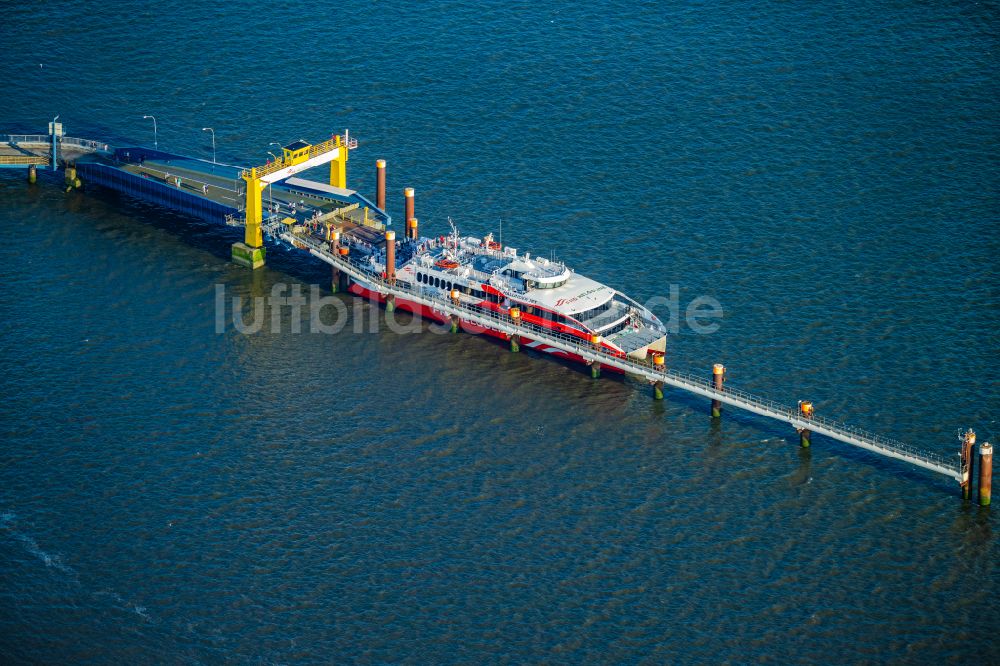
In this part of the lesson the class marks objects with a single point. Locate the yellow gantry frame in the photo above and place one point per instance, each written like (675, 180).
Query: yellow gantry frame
(334, 151)
(338, 170)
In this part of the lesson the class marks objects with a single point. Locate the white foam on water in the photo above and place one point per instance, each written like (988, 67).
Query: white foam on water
(7, 519)
(125, 604)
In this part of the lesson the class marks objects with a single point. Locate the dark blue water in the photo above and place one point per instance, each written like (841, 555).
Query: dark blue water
(828, 173)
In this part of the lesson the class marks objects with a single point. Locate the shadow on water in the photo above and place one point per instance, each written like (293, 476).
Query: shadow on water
(784, 432)
(209, 236)
(803, 473)
(215, 238)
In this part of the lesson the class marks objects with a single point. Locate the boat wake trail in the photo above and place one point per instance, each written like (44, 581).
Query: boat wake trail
(8, 521)
(125, 604)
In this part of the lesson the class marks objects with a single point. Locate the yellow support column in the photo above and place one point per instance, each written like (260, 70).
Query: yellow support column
(250, 252)
(338, 172)
(338, 167)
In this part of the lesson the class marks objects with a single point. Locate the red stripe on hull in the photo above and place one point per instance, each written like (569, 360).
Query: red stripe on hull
(469, 327)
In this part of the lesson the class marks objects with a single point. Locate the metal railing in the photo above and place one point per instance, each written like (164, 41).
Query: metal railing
(314, 151)
(502, 322)
(25, 160)
(86, 144)
(46, 140)
(26, 138)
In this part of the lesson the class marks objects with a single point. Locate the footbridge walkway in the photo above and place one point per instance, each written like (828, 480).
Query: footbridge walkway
(467, 312)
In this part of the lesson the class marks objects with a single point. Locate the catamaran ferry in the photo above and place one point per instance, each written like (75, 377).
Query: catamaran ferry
(490, 277)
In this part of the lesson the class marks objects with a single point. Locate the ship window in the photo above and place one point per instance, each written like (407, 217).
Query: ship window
(593, 312)
(552, 316)
(620, 326)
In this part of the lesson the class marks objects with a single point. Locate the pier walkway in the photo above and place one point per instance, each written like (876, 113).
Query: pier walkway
(467, 312)
(219, 192)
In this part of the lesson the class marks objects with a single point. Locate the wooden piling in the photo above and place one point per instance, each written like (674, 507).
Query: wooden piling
(455, 296)
(985, 473)
(390, 256)
(407, 206)
(718, 378)
(345, 279)
(390, 267)
(380, 186)
(659, 363)
(515, 339)
(333, 237)
(967, 450)
(595, 366)
(805, 435)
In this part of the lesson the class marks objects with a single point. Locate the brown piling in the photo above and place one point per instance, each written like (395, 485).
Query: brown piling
(515, 339)
(411, 228)
(390, 267)
(968, 448)
(455, 295)
(334, 243)
(659, 363)
(345, 279)
(408, 206)
(805, 435)
(718, 378)
(595, 366)
(390, 256)
(380, 186)
(985, 473)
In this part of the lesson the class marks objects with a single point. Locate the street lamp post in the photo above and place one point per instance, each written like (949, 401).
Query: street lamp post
(273, 143)
(156, 143)
(209, 129)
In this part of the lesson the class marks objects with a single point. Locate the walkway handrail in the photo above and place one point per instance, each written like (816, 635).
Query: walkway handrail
(314, 151)
(46, 140)
(26, 138)
(679, 379)
(26, 160)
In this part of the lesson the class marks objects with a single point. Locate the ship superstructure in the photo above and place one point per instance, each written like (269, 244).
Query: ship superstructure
(483, 273)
